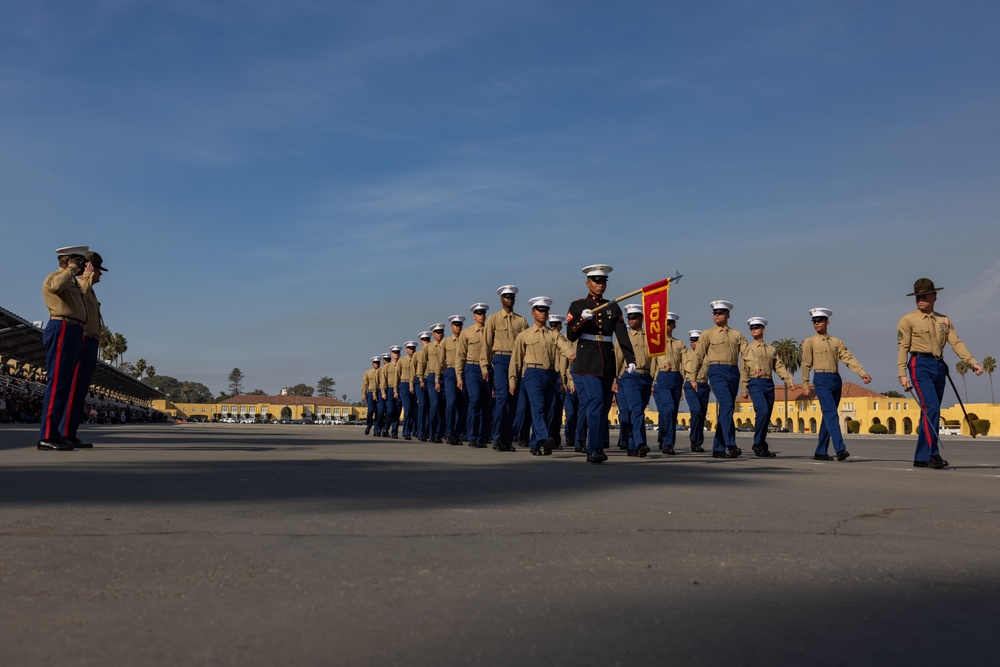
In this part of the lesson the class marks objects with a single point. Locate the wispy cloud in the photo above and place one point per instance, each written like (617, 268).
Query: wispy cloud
(973, 302)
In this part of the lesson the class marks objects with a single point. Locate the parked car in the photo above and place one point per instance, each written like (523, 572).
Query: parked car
(338, 422)
(949, 430)
(777, 429)
(746, 428)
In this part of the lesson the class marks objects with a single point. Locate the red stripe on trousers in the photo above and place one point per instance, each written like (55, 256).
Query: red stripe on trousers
(923, 403)
(54, 380)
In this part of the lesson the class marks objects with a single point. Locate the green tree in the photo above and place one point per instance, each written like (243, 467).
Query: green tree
(120, 347)
(301, 389)
(150, 371)
(990, 365)
(257, 392)
(962, 368)
(236, 382)
(789, 351)
(140, 367)
(892, 394)
(325, 386)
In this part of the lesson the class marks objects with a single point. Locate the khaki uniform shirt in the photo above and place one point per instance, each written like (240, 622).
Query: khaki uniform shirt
(381, 382)
(822, 353)
(537, 347)
(94, 319)
(768, 363)
(434, 352)
(368, 381)
(563, 365)
(673, 357)
(689, 368)
(449, 352)
(406, 369)
(722, 345)
(917, 332)
(420, 364)
(643, 362)
(392, 377)
(63, 296)
(499, 332)
(470, 345)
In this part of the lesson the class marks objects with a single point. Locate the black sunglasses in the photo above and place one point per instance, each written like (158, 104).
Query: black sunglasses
(719, 311)
(756, 326)
(817, 320)
(479, 312)
(600, 280)
(542, 309)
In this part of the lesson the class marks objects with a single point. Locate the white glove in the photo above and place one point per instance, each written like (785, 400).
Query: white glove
(587, 315)
(631, 368)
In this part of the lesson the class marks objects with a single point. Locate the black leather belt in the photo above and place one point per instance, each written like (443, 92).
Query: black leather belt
(924, 355)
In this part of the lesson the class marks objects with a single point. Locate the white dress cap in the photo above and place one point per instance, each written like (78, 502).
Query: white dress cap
(820, 312)
(424, 335)
(543, 301)
(556, 319)
(395, 348)
(376, 359)
(721, 304)
(73, 250)
(757, 320)
(694, 333)
(410, 343)
(387, 356)
(597, 270)
(478, 306)
(507, 289)
(457, 319)
(437, 327)
(673, 317)
(633, 309)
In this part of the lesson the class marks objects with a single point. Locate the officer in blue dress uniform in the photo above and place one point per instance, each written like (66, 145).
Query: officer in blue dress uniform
(594, 370)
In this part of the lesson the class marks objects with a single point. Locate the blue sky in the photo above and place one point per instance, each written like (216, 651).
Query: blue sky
(291, 187)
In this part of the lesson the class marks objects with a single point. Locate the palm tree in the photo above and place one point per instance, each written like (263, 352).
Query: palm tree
(990, 365)
(150, 371)
(121, 345)
(107, 344)
(140, 367)
(789, 351)
(962, 369)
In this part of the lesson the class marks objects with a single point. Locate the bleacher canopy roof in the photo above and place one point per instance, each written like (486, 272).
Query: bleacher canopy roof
(21, 340)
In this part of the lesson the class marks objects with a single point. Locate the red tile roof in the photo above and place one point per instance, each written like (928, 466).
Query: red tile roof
(850, 390)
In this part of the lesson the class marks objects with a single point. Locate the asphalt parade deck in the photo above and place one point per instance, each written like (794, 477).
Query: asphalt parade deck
(219, 544)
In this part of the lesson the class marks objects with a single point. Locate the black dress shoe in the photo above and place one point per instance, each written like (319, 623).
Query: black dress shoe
(718, 455)
(368, 429)
(921, 464)
(669, 451)
(548, 445)
(535, 451)
(54, 444)
(822, 457)
(395, 437)
(938, 463)
(597, 457)
(842, 456)
(756, 449)
(766, 454)
(421, 439)
(406, 437)
(634, 453)
(733, 452)
(697, 448)
(79, 444)
(438, 440)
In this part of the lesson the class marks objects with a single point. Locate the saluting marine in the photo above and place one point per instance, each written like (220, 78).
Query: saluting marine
(721, 348)
(594, 370)
(821, 354)
(696, 393)
(668, 373)
(87, 362)
(63, 340)
(533, 360)
(470, 376)
(499, 332)
(761, 389)
(634, 385)
(922, 334)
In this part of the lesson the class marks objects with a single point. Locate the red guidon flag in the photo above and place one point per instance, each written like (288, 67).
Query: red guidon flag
(654, 308)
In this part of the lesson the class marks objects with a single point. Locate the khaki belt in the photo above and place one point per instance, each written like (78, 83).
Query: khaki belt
(542, 366)
(719, 363)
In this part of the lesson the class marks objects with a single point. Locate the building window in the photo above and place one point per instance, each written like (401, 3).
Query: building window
(875, 405)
